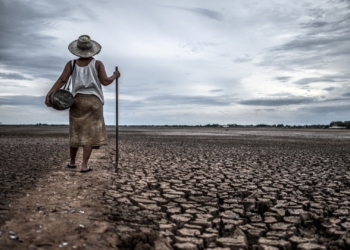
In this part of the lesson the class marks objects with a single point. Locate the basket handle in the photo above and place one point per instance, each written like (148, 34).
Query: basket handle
(70, 78)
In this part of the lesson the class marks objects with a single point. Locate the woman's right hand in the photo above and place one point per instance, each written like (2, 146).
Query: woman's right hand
(47, 101)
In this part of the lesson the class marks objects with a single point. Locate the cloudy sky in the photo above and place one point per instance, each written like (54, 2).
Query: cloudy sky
(184, 61)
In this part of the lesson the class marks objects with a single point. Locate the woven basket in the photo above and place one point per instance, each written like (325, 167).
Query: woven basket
(61, 99)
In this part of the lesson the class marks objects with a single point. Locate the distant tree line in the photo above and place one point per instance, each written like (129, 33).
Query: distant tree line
(45, 124)
(343, 124)
(281, 125)
(215, 125)
(340, 124)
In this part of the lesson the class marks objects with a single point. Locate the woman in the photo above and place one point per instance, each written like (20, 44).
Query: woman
(86, 122)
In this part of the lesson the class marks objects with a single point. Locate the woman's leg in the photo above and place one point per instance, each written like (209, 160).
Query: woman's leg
(73, 155)
(86, 156)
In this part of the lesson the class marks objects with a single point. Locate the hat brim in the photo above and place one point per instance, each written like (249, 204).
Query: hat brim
(95, 49)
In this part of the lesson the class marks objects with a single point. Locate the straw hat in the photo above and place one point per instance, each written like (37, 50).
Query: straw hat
(84, 47)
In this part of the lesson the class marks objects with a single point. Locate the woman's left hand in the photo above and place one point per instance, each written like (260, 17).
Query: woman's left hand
(116, 74)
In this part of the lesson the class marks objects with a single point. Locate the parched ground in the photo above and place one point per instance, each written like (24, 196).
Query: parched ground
(177, 189)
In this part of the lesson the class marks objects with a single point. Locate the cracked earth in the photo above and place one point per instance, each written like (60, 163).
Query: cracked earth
(177, 189)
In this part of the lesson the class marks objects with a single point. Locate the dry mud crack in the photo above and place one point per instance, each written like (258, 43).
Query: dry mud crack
(192, 192)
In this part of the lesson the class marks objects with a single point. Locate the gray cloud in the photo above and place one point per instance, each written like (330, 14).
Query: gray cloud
(222, 100)
(157, 102)
(23, 47)
(216, 90)
(328, 109)
(162, 101)
(335, 99)
(321, 43)
(313, 43)
(22, 100)
(314, 24)
(282, 78)
(346, 94)
(200, 11)
(205, 12)
(281, 94)
(135, 89)
(196, 47)
(331, 78)
(330, 88)
(277, 101)
(12, 85)
(13, 76)
(19, 23)
(267, 110)
(242, 59)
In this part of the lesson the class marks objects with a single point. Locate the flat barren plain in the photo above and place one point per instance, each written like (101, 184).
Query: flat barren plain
(177, 188)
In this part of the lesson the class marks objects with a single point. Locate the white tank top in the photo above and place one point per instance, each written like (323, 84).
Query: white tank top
(85, 81)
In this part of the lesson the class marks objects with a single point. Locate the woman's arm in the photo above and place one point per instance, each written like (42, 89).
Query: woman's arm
(104, 79)
(60, 82)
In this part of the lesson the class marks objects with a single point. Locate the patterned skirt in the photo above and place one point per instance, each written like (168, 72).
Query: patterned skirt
(86, 122)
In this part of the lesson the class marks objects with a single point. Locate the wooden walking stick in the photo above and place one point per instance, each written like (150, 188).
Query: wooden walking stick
(116, 123)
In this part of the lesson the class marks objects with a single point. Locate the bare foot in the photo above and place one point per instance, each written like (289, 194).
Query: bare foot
(88, 169)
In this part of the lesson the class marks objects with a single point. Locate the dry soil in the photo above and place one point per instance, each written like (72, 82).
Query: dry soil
(177, 189)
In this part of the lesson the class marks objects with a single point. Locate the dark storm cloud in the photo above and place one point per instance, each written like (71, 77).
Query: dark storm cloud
(346, 94)
(277, 101)
(22, 100)
(200, 11)
(331, 78)
(13, 76)
(282, 78)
